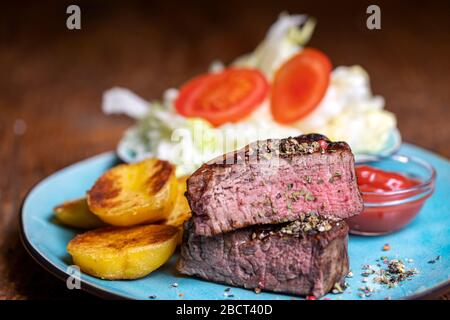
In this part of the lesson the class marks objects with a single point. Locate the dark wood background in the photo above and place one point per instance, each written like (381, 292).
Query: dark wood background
(52, 79)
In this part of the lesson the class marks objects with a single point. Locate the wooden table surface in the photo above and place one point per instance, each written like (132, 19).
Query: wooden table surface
(52, 79)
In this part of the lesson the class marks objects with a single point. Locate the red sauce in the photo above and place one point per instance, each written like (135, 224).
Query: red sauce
(376, 187)
(376, 180)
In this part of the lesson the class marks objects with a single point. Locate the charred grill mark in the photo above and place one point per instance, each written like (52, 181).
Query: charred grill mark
(125, 237)
(103, 191)
(159, 177)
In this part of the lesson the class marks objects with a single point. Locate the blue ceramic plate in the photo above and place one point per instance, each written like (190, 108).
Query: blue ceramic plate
(427, 237)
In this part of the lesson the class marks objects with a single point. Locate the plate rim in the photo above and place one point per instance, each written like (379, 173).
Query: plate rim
(103, 293)
(44, 261)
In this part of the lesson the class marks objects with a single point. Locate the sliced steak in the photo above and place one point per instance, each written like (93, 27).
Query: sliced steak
(274, 181)
(269, 258)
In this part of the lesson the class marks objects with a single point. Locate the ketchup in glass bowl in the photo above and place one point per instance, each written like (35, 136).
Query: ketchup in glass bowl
(394, 190)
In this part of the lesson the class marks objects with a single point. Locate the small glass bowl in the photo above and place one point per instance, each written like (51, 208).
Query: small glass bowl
(389, 211)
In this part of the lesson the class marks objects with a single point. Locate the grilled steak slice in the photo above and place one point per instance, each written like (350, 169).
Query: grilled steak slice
(268, 258)
(274, 181)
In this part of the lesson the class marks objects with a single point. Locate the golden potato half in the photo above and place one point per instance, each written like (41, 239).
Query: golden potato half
(123, 253)
(76, 213)
(181, 212)
(131, 194)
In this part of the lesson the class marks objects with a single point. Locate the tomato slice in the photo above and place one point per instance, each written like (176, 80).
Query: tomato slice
(227, 96)
(299, 85)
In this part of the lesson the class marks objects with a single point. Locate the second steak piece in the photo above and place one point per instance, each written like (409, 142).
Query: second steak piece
(280, 258)
(274, 181)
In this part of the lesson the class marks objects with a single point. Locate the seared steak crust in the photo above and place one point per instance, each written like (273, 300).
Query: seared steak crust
(264, 257)
(274, 181)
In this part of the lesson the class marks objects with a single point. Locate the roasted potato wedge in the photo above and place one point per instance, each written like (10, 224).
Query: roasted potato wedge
(132, 194)
(76, 213)
(123, 253)
(181, 212)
